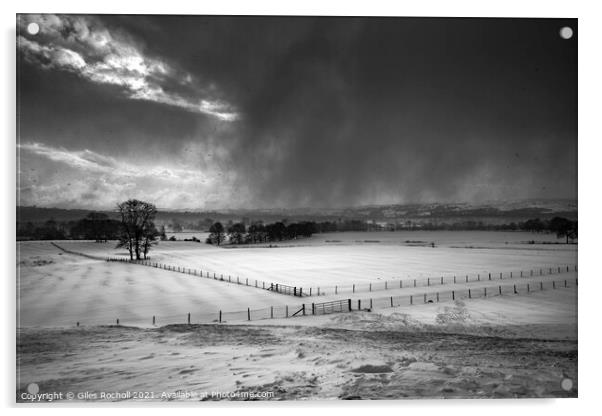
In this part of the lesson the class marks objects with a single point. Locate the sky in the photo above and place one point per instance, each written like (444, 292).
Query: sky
(215, 112)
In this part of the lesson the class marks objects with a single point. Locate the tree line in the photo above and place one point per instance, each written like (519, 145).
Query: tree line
(136, 230)
(239, 233)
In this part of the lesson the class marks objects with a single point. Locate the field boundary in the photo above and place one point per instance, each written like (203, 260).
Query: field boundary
(351, 305)
(376, 286)
(77, 253)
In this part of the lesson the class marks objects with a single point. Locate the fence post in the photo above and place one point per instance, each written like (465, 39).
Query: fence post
(310, 291)
(303, 309)
(454, 279)
(479, 277)
(528, 288)
(318, 291)
(411, 300)
(453, 295)
(428, 281)
(500, 290)
(220, 316)
(466, 278)
(550, 270)
(391, 301)
(263, 284)
(489, 276)
(515, 292)
(153, 319)
(272, 312)
(521, 273)
(437, 296)
(370, 303)
(469, 294)
(249, 314)
(295, 291)
(286, 309)
(414, 282)
(247, 281)
(441, 279)
(370, 288)
(425, 298)
(349, 304)
(117, 321)
(301, 292)
(540, 285)
(485, 291)
(359, 304)
(188, 318)
(401, 284)
(501, 276)
(353, 288)
(510, 275)
(576, 282)
(336, 290)
(553, 284)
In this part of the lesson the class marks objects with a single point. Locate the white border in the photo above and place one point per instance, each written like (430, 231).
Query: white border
(590, 203)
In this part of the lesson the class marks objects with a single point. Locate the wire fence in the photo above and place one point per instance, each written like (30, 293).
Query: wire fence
(349, 305)
(77, 253)
(255, 283)
(383, 285)
(352, 288)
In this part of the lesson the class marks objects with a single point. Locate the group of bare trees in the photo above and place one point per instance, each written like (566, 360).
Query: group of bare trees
(238, 233)
(138, 231)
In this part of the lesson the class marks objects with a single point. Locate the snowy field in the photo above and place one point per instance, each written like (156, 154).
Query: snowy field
(509, 345)
(58, 289)
(494, 348)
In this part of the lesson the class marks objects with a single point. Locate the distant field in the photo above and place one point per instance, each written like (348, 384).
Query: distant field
(347, 258)
(60, 289)
(187, 235)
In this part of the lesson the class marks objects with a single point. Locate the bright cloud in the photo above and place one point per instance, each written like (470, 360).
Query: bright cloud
(82, 45)
(62, 177)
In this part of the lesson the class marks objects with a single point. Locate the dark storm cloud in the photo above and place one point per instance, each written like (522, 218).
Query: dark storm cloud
(334, 112)
(84, 46)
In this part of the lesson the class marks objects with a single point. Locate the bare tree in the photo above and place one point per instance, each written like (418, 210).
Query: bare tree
(217, 233)
(138, 231)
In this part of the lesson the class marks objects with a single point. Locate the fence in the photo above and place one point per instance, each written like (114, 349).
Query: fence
(77, 253)
(358, 288)
(324, 308)
(259, 284)
(383, 285)
(286, 290)
(350, 305)
(344, 289)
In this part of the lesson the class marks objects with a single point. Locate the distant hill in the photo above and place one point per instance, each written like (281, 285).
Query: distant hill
(489, 213)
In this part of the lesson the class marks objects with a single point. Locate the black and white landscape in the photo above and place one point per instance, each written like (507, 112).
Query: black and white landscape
(288, 208)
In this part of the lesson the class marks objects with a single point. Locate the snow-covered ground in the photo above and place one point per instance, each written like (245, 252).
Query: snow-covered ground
(505, 347)
(58, 289)
(500, 346)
